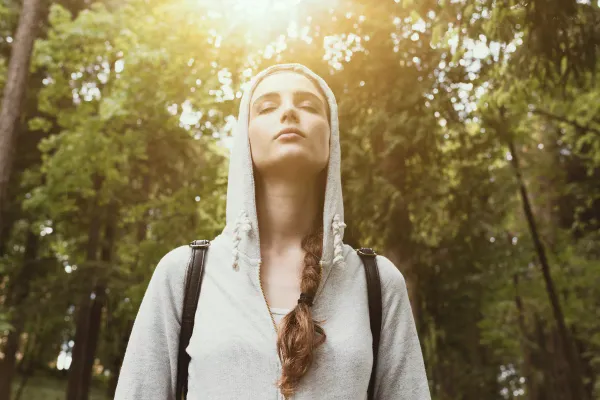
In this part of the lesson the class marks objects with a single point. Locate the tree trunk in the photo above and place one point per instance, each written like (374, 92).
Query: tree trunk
(14, 92)
(27, 364)
(141, 232)
(566, 348)
(9, 363)
(530, 382)
(551, 386)
(400, 249)
(118, 359)
(76, 389)
(89, 322)
(17, 293)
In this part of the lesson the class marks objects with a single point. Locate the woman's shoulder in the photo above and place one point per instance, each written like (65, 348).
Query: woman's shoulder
(392, 280)
(176, 256)
(390, 274)
(173, 265)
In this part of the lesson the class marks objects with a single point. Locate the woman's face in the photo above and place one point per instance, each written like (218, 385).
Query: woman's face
(288, 100)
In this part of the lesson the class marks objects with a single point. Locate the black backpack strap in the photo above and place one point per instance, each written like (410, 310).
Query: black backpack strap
(369, 260)
(193, 282)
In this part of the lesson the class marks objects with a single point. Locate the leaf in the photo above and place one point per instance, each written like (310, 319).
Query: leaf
(415, 16)
(468, 11)
(437, 34)
(39, 124)
(111, 107)
(4, 325)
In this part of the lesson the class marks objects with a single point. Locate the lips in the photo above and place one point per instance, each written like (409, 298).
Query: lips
(290, 131)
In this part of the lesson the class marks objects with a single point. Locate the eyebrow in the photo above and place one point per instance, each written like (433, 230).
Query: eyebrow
(300, 93)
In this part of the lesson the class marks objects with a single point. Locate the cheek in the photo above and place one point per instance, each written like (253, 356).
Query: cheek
(256, 139)
(324, 136)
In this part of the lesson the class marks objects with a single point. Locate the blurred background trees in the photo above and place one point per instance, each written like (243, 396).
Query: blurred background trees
(471, 147)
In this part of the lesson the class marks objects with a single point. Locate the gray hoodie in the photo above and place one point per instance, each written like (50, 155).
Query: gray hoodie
(233, 346)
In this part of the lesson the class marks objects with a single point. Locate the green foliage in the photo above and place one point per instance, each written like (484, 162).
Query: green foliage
(4, 324)
(128, 125)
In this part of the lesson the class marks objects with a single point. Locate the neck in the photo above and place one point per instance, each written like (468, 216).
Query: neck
(286, 211)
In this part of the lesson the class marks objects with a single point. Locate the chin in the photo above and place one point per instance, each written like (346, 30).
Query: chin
(294, 162)
(292, 151)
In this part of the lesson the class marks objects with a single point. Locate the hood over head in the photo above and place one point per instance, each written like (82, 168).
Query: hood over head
(242, 220)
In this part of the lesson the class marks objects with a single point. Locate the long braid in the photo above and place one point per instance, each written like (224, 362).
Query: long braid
(299, 334)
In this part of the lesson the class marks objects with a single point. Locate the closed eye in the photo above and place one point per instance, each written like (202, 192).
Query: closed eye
(266, 109)
(310, 107)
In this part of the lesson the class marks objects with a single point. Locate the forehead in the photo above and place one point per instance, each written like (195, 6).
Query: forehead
(287, 81)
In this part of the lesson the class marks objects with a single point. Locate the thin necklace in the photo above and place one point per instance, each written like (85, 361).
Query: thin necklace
(265, 298)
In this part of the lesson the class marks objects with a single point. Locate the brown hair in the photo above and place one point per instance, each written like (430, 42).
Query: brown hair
(299, 334)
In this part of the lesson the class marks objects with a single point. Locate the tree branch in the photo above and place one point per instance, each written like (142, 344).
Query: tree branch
(566, 120)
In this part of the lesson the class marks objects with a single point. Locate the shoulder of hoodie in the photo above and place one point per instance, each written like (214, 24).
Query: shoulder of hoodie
(172, 266)
(393, 284)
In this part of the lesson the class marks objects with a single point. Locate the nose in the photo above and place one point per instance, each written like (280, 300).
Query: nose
(289, 114)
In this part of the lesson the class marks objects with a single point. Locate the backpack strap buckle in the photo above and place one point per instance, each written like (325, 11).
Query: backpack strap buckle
(200, 244)
(366, 251)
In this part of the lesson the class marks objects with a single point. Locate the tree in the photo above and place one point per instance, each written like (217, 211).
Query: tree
(132, 128)
(14, 91)
(119, 133)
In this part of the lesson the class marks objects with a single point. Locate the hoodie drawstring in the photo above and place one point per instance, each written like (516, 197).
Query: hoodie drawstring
(338, 245)
(241, 224)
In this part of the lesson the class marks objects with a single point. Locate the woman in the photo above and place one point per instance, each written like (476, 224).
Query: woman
(255, 337)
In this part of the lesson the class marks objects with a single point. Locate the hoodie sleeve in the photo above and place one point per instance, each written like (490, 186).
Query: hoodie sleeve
(149, 369)
(400, 368)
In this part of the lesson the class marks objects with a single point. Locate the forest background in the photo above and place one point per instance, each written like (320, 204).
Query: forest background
(471, 157)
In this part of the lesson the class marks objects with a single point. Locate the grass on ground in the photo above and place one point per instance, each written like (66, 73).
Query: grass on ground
(48, 388)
